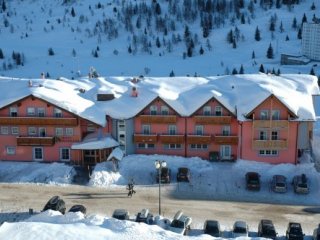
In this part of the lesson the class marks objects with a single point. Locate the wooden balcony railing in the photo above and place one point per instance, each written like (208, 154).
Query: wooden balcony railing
(270, 144)
(143, 138)
(68, 138)
(221, 140)
(216, 120)
(167, 139)
(271, 123)
(38, 121)
(158, 118)
(35, 141)
(199, 139)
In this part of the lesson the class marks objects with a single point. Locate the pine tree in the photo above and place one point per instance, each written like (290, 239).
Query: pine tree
(189, 51)
(270, 52)
(50, 52)
(171, 74)
(234, 43)
(281, 27)
(312, 72)
(278, 72)
(129, 49)
(257, 36)
(3, 6)
(74, 53)
(272, 26)
(186, 32)
(299, 35)
(253, 55)
(230, 37)
(158, 44)
(158, 9)
(1, 54)
(304, 19)
(278, 4)
(234, 71)
(287, 38)
(73, 13)
(201, 51)
(313, 7)
(261, 69)
(241, 70)
(294, 23)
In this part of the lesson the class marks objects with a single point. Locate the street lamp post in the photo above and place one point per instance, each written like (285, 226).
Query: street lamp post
(159, 165)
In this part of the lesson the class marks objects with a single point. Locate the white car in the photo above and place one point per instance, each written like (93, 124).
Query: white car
(240, 229)
(180, 223)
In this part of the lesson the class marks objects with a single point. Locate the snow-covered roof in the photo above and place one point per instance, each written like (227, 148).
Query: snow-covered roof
(240, 94)
(95, 141)
(116, 153)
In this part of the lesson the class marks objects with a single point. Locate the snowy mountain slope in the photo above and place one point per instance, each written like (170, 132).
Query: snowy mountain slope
(147, 37)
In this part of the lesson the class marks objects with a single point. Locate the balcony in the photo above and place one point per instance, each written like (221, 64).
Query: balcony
(271, 123)
(222, 140)
(68, 139)
(270, 144)
(162, 119)
(215, 120)
(38, 121)
(143, 138)
(167, 139)
(35, 141)
(199, 139)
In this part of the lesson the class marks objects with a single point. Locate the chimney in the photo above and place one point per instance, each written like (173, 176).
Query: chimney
(134, 92)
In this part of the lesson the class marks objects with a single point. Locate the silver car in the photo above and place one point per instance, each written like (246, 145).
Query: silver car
(300, 184)
(279, 184)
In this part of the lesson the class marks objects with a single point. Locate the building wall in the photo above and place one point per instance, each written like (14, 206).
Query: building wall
(311, 41)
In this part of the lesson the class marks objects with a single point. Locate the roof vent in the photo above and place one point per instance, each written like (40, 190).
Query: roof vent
(105, 96)
(134, 92)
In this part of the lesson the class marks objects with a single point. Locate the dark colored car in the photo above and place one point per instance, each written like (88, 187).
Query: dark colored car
(55, 203)
(121, 214)
(253, 181)
(183, 174)
(145, 216)
(266, 229)
(212, 227)
(300, 184)
(316, 233)
(294, 231)
(78, 208)
(165, 175)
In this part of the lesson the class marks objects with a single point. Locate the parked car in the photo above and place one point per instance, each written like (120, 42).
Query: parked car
(78, 208)
(181, 223)
(300, 184)
(183, 174)
(121, 214)
(294, 231)
(279, 184)
(316, 233)
(165, 175)
(145, 216)
(240, 229)
(253, 181)
(55, 203)
(266, 229)
(212, 227)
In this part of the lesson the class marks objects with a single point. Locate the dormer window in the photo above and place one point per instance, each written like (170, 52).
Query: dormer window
(275, 115)
(264, 115)
(57, 113)
(153, 110)
(31, 111)
(13, 112)
(164, 110)
(207, 110)
(218, 111)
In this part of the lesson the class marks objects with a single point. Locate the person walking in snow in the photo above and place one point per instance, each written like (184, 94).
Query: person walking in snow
(130, 188)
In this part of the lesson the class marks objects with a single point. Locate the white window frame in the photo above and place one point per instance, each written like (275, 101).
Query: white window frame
(41, 111)
(91, 128)
(62, 154)
(164, 110)
(10, 150)
(59, 131)
(207, 110)
(274, 135)
(69, 131)
(172, 129)
(15, 130)
(198, 130)
(153, 110)
(268, 152)
(146, 129)
(146, 145)
(198, 146)
(13, 112)
(31, 111)
(263, 135)
(275, 114)
(225, 151)
(57, 112)
(226, 130)
(218, 111)
(264, 114)
(4, 130)
(42, 131)
(32, 131)
(172, 146)
(34, 153)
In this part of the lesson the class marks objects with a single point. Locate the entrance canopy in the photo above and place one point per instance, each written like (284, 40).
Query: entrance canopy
(92, 142)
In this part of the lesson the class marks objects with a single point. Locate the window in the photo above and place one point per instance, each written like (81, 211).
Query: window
(207, 110)
(263, 135)
(69, 131)
(146, 145)
(13, 112)
(37, 153)
(31, 111)
(57, 113)
(198, 146)
(264, 115)
(41, 112)
(42, 132)
(226, 130)
(32, 131)
(15, 130)
(225, 152)
(5, 130)
(153, 110)
(172, 129)
(268, 152)
(64, 154)
(275, 114)
(199, 130)
(172, 146)
(11, 150)
(164, 110)
(91, 128)
(59, 131)
(218, 110)
(274, 135)
(146, 129)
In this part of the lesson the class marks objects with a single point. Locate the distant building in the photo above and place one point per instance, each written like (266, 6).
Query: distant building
(311, 41)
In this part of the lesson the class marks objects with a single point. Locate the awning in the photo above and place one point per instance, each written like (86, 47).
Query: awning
(92, 142)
